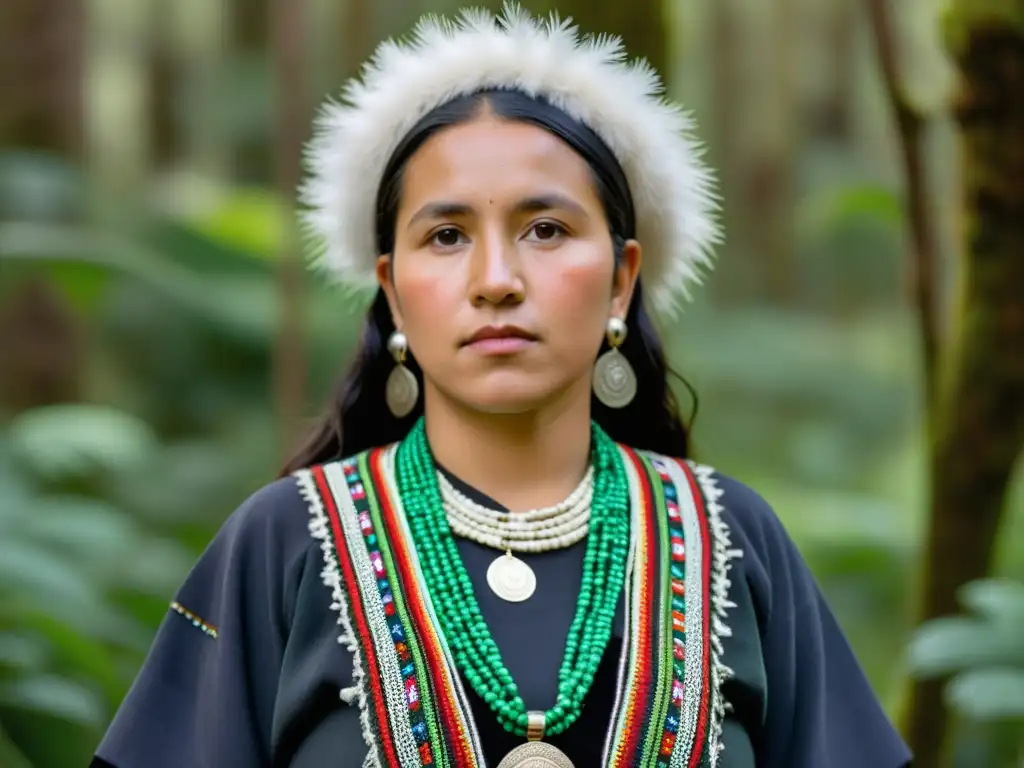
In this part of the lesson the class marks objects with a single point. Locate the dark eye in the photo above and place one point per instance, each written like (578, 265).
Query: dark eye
(448, 237)
(546, 231)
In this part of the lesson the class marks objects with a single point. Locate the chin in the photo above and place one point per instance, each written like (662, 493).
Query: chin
(506, 404)
(507, 400)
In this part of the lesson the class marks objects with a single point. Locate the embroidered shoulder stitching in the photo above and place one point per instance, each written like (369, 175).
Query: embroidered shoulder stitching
(208, 629)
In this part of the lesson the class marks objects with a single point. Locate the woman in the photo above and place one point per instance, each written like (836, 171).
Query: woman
(522, 567)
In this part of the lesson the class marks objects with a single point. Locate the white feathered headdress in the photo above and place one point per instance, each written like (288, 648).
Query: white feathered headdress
(589, 78)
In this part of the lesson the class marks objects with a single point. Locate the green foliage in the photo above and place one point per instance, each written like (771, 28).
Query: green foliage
(253, 220)
(70, 566)
(39, 187)
(104, 508)
(960, 17)
(984, 652)
(65, 440)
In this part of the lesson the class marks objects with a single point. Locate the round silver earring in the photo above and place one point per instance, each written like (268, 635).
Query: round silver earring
(402, 389)
(614, 379)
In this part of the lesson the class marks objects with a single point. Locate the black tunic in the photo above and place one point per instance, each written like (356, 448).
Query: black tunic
(265, 692)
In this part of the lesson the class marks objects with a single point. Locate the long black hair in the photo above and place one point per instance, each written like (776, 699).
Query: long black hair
(358, 417)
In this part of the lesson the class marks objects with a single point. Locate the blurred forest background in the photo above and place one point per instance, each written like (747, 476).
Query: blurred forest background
(858, 352)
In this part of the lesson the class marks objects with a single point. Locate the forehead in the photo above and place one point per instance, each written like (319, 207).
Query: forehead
(498, 159)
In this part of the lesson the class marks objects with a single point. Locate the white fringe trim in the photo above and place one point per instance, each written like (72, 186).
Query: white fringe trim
(589, 78)
(723, 554)
(319, 529)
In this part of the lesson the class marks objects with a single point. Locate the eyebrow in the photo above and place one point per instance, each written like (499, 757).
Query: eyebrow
(534, 204)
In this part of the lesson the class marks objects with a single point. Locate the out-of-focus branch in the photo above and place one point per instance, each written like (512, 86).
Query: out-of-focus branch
(289, 41)
(910, 124)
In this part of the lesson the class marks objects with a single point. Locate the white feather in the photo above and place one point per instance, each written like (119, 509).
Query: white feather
(587, 77)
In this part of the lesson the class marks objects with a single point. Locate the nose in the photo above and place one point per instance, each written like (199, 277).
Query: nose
(495, 275)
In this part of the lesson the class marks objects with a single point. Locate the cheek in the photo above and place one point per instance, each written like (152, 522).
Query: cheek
(581, 292)
(427, 301)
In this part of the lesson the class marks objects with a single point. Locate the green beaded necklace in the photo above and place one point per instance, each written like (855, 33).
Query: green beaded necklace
(451, 591)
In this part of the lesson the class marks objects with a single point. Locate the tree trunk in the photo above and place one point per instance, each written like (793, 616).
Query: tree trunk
(41, 55)
(769, 185)
(291, 42)
(249, 45)
(979, 421)
(725, 142)
(835, 112)
(358, 36)
(41, 109)
(912, 131)
(40, 349)
(163, 91)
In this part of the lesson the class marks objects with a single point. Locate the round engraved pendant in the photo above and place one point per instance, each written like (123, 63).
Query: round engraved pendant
(536, 754)
(614, 380)
(511, 579)
(402, 391)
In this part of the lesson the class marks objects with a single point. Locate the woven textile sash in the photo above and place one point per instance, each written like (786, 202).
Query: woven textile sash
(413, 707)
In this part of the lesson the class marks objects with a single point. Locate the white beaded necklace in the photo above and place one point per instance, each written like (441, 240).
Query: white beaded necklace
(539, 530)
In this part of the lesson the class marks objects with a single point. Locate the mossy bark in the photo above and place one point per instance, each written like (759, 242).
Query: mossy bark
(41, 110)
(41, 94)
(978, 422)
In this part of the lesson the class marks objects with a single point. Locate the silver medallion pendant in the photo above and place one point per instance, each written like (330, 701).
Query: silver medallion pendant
(402, 391)
(511, 579)
(614, 380)
(536, 754)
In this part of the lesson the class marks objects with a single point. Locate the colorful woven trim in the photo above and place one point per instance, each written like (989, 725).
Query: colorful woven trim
(414, 711)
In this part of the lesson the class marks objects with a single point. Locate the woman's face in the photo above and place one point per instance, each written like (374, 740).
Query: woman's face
(503, 277)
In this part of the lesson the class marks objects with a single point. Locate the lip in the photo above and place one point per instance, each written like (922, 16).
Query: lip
(500, 340)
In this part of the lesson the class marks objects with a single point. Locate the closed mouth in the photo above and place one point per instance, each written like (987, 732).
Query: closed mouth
(500, 332)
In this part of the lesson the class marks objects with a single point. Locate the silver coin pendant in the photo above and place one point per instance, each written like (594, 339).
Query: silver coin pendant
(614, 379)
(536, 754)
(402, 391)
(511, 579)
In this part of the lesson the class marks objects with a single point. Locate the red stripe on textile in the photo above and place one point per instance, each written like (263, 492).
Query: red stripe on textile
(702, 721)
(637, 706)
(356, 611)
(423, 626)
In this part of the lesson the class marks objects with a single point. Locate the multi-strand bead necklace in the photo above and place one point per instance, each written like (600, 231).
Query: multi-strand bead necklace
(451, 591)
(540, 530)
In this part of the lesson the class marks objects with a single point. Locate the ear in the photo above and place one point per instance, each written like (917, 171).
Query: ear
(626, 274)
(386, 280)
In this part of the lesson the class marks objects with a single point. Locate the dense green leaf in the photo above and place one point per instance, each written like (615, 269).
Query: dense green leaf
(38, 186)
(841, 206)
(22, 651)
(10, 755)
(250, 219)
(80, 439)
(96, 617)
(989, 694)
(188, 244)
(999, 600)
(89, 530)
(156, 567)
(87, 655)
(956, 643)
(54, 696)
(43, 576)
(15, 493)
(49, 245)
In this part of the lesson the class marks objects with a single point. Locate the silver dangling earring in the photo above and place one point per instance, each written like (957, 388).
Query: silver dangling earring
(402, 390)
(614, 379)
